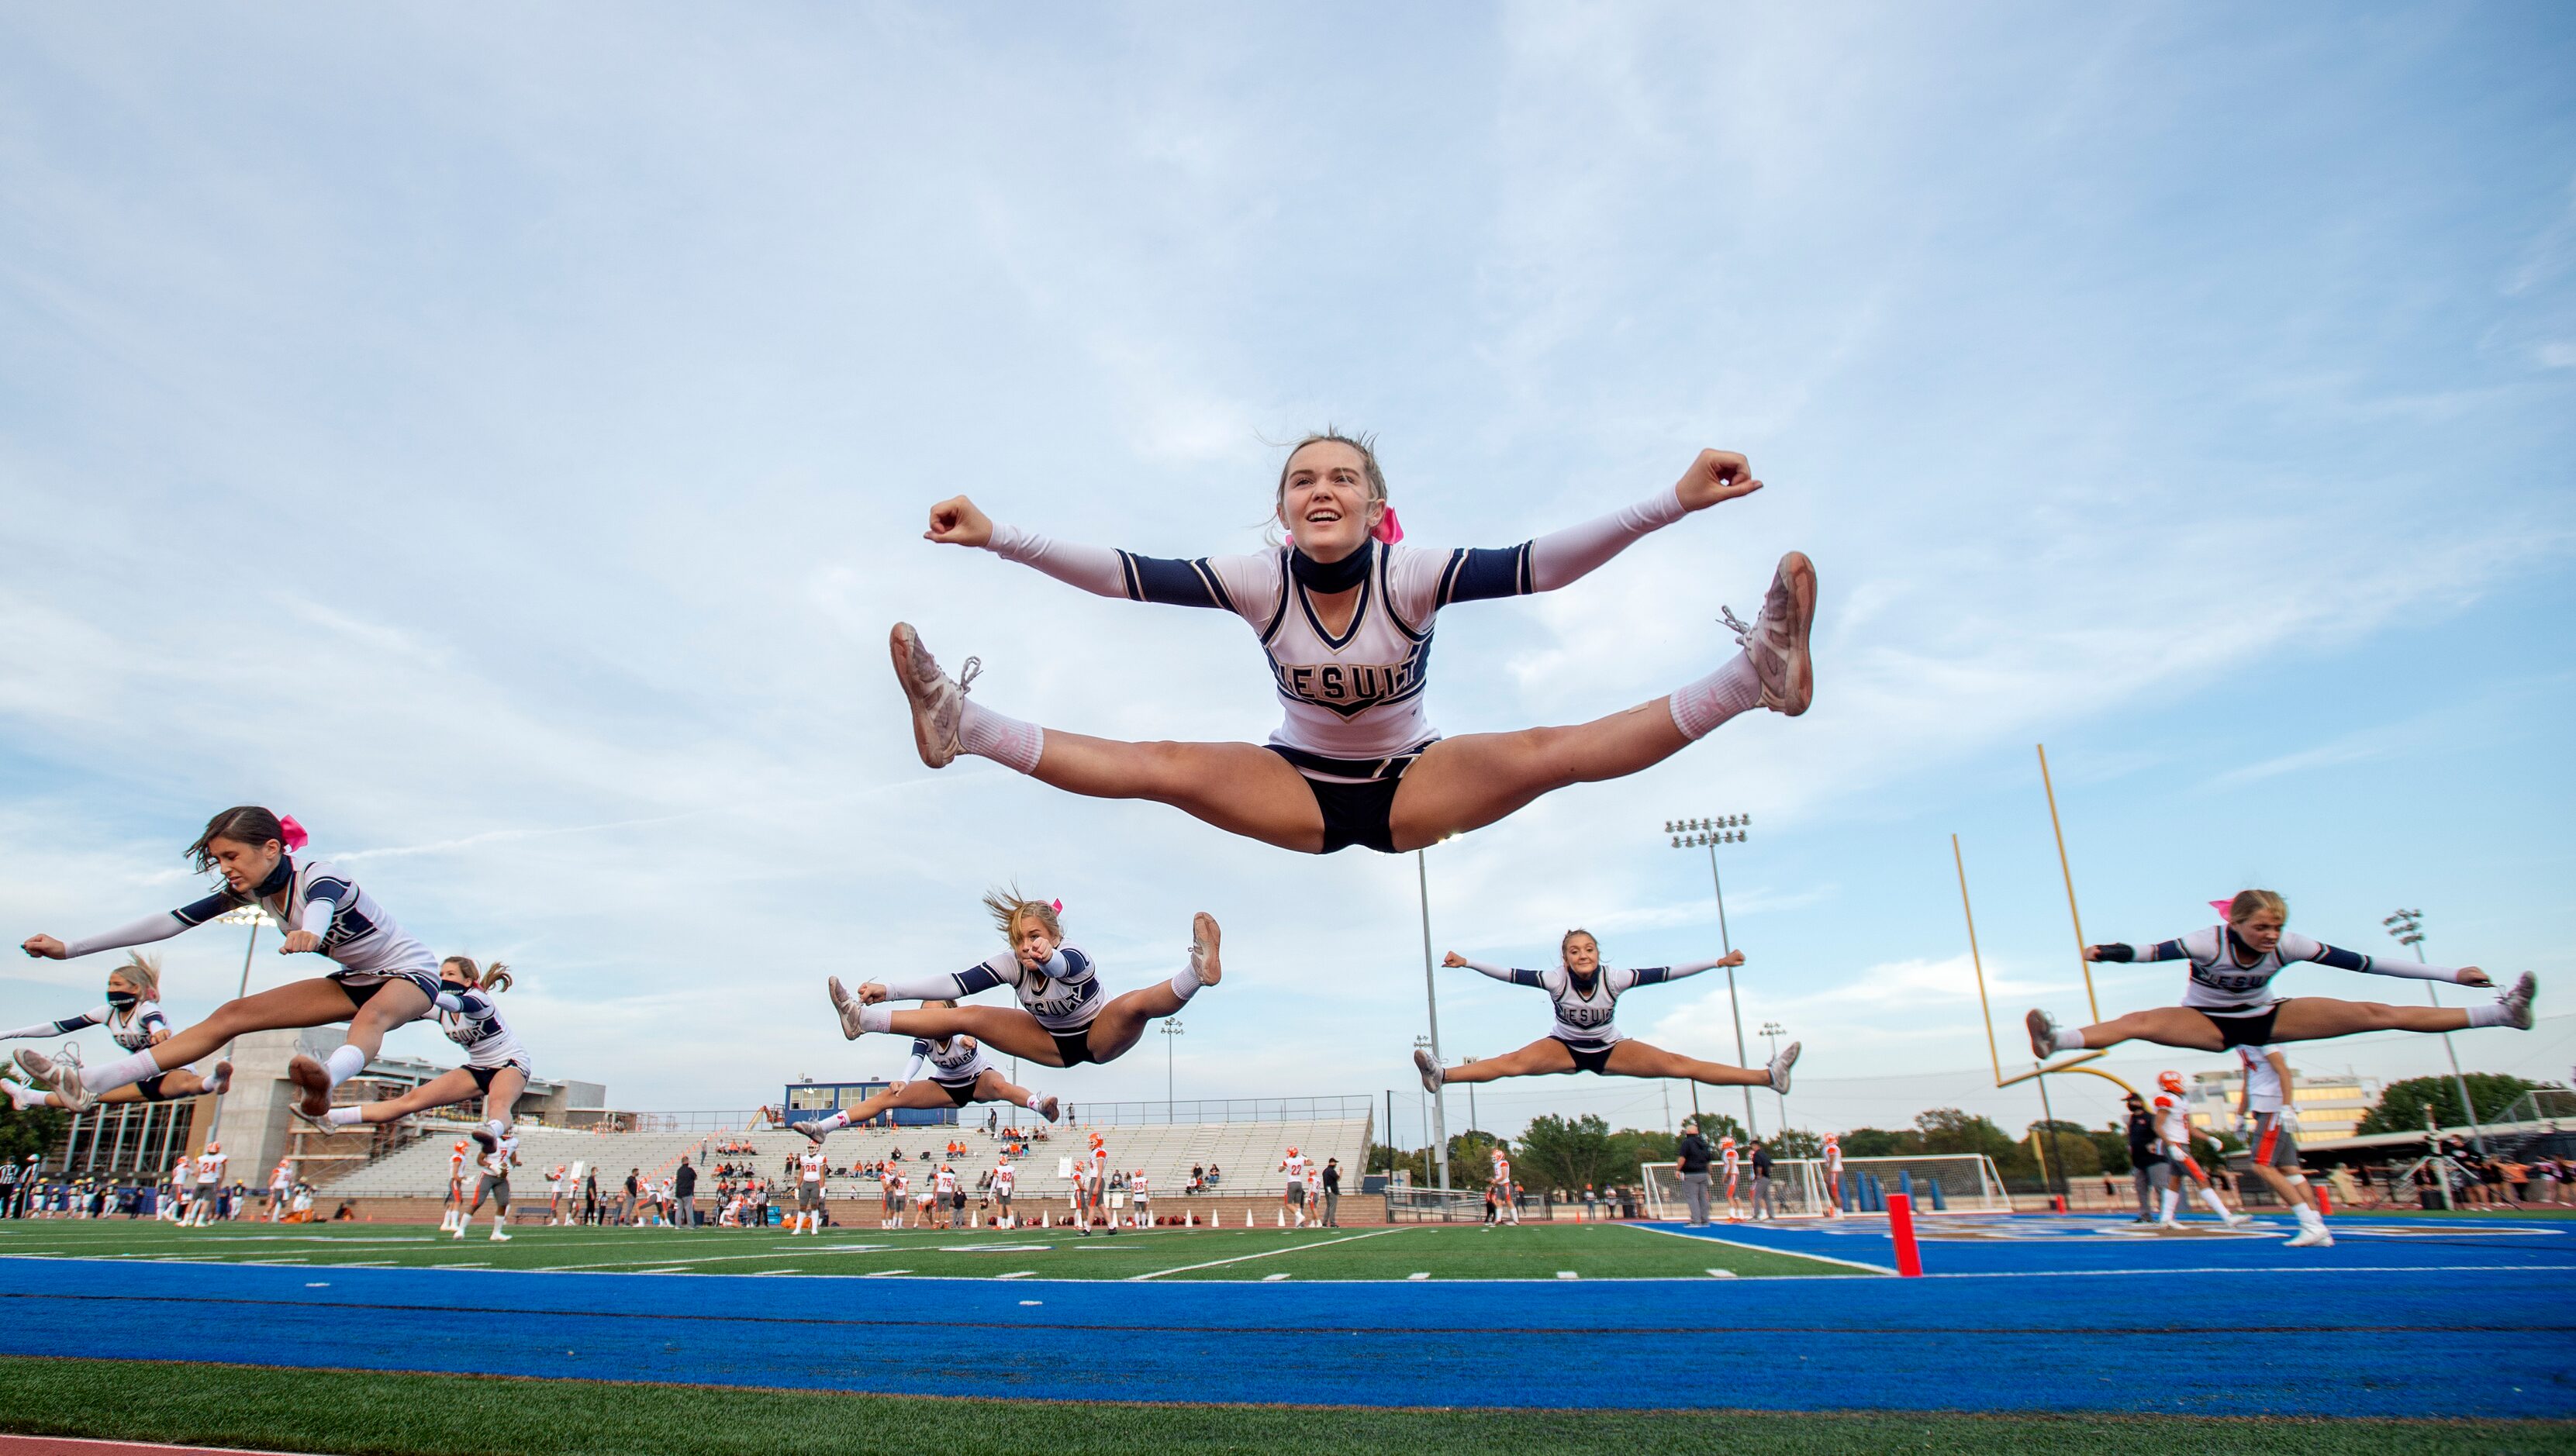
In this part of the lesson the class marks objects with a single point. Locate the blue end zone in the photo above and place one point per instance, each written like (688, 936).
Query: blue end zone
(2445, 1318)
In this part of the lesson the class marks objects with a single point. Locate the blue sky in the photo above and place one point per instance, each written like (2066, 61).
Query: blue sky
(501, 441)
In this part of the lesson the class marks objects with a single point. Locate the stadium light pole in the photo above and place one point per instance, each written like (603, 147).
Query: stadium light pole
(1171, 1030)
(1423, 1103)
(1774, 1031)
(240, 915)
(2407, 928)
(1692, 834)
(1471, 1102)
(1431, 995)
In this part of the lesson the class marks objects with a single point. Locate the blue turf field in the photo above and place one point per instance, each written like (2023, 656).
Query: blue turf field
(2402, 1317)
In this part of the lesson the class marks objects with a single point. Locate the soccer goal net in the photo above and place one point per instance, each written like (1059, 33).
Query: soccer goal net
(1943, 1183)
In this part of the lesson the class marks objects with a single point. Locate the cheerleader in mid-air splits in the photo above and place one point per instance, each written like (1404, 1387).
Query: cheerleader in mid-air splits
(496, 1067)
(1064, 1017)
(959, 1075)
(384, 977)
(1345, 617)
(134, 1021)
(1584, 1040)
(2228, 1002)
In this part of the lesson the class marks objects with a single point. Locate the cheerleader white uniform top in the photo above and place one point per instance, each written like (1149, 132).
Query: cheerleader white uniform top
(356, 932)
(1064, 994)
(469, 1018)
(130, 1027)
(956, 1062)
(1583, 1016)
(2229, 979)
(1352, 702)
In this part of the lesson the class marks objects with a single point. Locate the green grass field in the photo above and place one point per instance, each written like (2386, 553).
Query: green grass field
(1539, 1251)
(418, 1415)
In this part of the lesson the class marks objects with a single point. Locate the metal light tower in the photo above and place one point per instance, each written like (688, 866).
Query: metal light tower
(1431, 995)
(1171, 1030)
(2407, 928)
(251, 916)
(1693, 834)
(1774, 1031)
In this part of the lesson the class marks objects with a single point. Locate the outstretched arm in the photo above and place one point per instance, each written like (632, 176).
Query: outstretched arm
(1561, 558)
(52, 1028)
(1095, 569)
(142, 932)
(947, 987)
(2119, 952)
(1649, 975)
(2300, 948)
(1499, 973)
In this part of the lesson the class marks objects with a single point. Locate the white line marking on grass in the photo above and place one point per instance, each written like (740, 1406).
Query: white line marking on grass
(1016, 1274)
(1761, 1248)
(2268, 1270)
(884, 1273)
(1567, 1274)
(661, 1271)
(1425, 1274)
(700, 1259)
(1291, 1249)
(1272, 1278)
(1721, 1274)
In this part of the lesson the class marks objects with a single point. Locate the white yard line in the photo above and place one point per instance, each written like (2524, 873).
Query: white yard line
(2270, 1271)
(700, 1259)
(1016, 1274)
(1241, 1258)
(1762, 1248)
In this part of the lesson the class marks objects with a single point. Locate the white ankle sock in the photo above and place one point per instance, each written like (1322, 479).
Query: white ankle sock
(836, 1121)
(1185, 983)
(345, 1063)
(25, 1097)
(2070, 1039)
(2173, 1203)
(123, 1072)
(2216, 1204)
(342, 1117)
(1006, 741)
(1701, 706)
(879, 1017)
(2491, 1014)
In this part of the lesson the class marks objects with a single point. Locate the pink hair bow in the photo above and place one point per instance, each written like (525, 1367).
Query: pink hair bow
(2221, 905)
(1388, 528)
(1056, 905)
(290, 833)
